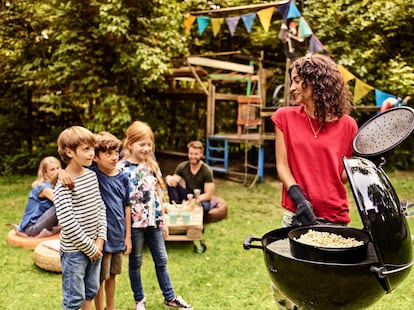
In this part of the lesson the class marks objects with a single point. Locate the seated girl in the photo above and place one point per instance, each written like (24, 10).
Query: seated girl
(39, 217)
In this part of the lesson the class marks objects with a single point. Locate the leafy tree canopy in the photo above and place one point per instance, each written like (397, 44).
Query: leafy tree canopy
(93, 63)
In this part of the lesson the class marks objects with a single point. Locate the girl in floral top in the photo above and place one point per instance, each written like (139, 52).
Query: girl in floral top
(147, 214)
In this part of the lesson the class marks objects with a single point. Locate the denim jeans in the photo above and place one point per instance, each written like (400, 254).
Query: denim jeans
(80, 279)
(155, 240)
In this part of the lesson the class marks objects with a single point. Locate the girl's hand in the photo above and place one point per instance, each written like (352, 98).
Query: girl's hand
(165, 231)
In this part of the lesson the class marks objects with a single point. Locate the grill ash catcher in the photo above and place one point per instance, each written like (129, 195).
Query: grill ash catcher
(331, 278)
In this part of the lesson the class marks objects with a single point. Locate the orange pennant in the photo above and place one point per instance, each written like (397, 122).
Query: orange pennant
(346, 74)
(188, 22)
(361, 89)
(265, 17)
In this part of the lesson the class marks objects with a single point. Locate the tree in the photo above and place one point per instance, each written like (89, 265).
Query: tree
(375, 41)
(83, 62)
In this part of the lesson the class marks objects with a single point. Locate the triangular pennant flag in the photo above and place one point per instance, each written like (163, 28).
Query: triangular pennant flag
(346, 74)
(216, 24)
(202, 22)
(248, 20)
(293, 11)
(380, 96)
(304, 29)
(361, 89)
(232, 23)
(188, 22)
(315, 45)
(265, 17)
(283, 11)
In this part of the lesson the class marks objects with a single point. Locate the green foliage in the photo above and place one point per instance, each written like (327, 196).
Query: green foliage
(374, 41)
(103, 64)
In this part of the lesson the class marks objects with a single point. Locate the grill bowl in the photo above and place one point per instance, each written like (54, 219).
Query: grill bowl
(347, 255)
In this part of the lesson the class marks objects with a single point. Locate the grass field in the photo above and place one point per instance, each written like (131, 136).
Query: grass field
(224, 277)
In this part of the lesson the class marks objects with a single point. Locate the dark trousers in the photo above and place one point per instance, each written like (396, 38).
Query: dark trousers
(178, 194)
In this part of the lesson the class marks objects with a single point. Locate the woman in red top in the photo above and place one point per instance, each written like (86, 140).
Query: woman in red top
(311, 139)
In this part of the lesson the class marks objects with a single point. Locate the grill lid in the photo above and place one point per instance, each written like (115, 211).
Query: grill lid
(384, 131)
(383, 219)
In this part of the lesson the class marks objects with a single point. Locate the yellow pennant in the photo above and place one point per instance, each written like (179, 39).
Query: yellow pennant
(346, 74)
(216, 24)
(361, 89)
(188, 22)
(265, 17)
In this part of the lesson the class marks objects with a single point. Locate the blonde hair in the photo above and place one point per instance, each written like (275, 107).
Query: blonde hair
(41, 171)
(137, 131)
(71, 138)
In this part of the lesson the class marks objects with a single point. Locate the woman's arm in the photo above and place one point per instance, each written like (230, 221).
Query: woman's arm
(282, 165)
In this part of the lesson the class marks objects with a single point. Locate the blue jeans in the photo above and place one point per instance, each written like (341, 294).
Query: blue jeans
(80, 279)
(155, 240)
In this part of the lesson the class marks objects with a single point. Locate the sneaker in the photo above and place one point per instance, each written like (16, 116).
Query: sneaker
(177, 303)
(140, 305)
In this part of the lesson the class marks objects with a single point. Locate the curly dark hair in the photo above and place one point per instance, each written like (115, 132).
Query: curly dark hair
(331, 94)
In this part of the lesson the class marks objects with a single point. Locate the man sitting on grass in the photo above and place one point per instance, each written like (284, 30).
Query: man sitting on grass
(192, 175)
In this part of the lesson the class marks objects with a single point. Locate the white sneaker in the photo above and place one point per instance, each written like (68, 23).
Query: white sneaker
(140, 305)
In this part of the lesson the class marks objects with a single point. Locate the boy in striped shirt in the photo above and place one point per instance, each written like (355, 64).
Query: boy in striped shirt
(82, 215)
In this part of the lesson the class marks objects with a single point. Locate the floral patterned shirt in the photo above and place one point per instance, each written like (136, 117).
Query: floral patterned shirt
(146, 209)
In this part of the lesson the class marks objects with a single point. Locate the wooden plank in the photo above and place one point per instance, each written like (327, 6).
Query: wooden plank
(234, 77)
(220, 64)
(227, 97)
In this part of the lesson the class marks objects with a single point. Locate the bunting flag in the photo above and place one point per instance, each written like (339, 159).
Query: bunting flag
(287, 11)
(361, 89)
(304, 29)
(248, 20)
(188, 23)
(265, 17)
(202, 22)
(232, 23)
(293, 11)
(216, 25)
(283, 11)
(346, 74)
(315, 45)
(380, 97)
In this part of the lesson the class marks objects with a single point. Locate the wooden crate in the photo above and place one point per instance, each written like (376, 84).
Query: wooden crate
(185, 232)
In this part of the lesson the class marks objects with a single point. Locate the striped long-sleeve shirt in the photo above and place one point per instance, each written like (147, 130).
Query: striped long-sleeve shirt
(81, 213)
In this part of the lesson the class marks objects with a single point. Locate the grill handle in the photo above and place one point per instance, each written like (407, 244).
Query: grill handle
(382, 271)
(247, 243)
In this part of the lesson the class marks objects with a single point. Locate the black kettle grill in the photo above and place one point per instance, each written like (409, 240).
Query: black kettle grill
(316, 284)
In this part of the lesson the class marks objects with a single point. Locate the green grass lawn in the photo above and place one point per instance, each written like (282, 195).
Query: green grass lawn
(224, 277)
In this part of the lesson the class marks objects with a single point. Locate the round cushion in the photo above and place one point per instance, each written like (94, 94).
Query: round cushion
(27, 242)
(218, 211)
(46, 256)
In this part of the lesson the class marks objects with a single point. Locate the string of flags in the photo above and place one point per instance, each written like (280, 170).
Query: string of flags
(287, 11)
